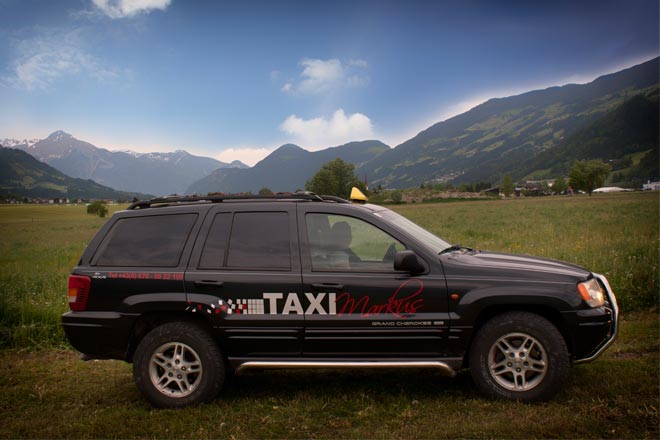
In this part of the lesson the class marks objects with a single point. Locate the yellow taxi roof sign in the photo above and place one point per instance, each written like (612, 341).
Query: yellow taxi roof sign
(357, 196)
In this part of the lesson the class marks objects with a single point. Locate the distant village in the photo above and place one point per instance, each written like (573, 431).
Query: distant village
(428, 193)
(14, 200)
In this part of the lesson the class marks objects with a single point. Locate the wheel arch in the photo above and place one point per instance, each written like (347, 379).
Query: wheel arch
(149, 321)
(487, 313)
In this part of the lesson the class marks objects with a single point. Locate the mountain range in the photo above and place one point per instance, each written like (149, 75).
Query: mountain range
(534, 135)
(151, 173)
(286, 169)
(22, 175)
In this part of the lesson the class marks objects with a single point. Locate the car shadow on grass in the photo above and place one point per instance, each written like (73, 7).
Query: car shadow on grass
(286, 384)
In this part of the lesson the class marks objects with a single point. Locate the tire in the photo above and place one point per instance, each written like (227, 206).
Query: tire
(519, 356)
(178, 364)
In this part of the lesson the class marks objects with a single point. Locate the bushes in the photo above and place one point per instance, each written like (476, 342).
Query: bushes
(97, 208)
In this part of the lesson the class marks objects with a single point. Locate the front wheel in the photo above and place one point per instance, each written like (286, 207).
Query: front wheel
(519, 356)
(178, 364)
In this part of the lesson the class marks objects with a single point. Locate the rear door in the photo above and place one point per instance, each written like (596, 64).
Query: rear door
(245, 266)
(357, 305)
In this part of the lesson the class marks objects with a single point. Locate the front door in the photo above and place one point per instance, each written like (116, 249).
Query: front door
(357, 304)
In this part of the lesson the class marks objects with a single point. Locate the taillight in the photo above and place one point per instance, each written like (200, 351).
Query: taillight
(78, 292)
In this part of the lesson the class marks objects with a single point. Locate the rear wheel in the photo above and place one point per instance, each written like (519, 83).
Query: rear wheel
(178, 364)
(519, 356)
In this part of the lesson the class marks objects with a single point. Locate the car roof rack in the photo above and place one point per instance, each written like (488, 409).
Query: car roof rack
(185, 200)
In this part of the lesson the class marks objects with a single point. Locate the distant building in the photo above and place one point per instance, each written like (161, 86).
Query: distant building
(609, 189)
(651, 186)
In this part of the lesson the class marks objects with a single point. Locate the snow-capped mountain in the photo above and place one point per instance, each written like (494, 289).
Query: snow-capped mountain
(151, 173)
(15, 143)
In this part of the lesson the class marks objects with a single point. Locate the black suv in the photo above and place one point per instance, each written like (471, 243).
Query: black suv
(191, 289)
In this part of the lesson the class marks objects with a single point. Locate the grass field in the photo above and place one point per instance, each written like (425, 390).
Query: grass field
(52, 394)
(612, 234)
(39, 245)
(46, 392)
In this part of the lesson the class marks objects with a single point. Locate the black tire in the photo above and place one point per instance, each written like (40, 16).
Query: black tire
(178, 364)
(519, 356)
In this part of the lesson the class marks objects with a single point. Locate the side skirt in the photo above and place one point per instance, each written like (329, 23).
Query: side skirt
(344, 364)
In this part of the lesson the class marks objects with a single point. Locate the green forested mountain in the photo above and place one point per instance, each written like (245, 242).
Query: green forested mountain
(521, 134)
(630, 128)
(23, 175)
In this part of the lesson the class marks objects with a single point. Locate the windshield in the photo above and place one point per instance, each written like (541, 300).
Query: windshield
(402, 223)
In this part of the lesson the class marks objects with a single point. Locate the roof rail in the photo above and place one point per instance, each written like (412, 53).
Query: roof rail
(179, 200)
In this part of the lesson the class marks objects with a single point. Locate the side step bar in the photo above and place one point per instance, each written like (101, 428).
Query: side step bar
(444, 368)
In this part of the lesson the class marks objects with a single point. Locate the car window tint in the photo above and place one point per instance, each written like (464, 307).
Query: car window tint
(339, 242)
(153, 241)
(213, 254)
(260, 240)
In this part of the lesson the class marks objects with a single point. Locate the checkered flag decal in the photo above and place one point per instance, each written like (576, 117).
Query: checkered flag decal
(245, 306)
(231, 306)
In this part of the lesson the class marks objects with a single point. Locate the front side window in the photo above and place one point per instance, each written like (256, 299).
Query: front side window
(338, 242)
(152, 241)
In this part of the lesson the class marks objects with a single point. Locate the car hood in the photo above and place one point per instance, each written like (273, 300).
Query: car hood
(497, 265)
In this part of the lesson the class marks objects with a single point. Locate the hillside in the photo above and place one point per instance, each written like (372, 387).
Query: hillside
(23, 175)
(631, 128)
(500, 134)
(285, 169)
(153, 173)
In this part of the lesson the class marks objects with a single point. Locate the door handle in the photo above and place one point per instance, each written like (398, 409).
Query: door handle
(328, 286)
(208, 283)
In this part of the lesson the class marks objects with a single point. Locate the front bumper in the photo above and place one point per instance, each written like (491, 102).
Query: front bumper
(605, 332)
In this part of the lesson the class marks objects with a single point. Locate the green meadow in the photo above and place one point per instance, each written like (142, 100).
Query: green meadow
(616, 235)
(46, 392)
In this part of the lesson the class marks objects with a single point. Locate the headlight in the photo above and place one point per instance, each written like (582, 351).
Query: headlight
(591, 293)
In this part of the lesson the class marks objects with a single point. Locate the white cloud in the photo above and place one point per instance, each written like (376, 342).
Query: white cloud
(129, 8)
(319, 133)
(321, 76)
(247, 155)
(50, 55)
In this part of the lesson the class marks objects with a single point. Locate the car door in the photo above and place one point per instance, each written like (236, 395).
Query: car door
(248, 254)
(357, 305)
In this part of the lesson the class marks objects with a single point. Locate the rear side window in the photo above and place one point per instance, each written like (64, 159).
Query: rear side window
(153, 241)
(260, 240)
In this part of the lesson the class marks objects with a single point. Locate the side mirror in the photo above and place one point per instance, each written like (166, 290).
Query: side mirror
(408, 261)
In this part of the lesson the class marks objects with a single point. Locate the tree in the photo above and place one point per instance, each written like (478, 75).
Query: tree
(560, 185)
(588, 175)
(507, 185)
(397, 197)
(335, 178)
(97, 208)
(265, 192)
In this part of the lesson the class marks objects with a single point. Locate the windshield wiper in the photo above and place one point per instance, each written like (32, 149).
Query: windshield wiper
(454, 248)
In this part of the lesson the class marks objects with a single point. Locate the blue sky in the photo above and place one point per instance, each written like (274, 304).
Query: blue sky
(234, 80)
